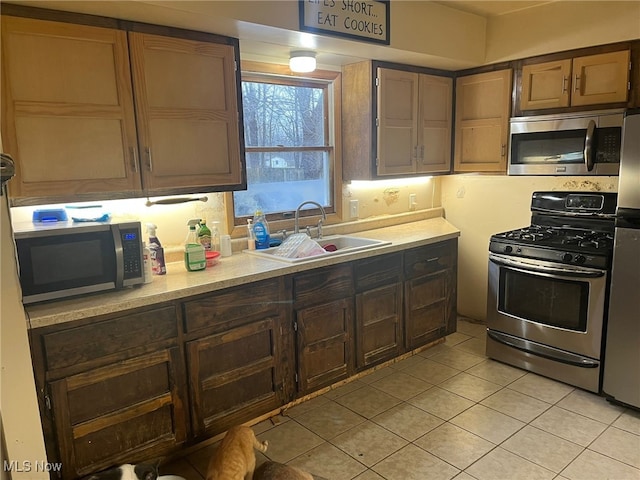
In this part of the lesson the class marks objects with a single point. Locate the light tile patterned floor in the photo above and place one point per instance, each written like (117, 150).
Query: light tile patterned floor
(450, 412)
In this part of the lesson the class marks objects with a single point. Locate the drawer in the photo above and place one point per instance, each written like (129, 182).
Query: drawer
(323, 285)
(90, 342)
(429, 259)
(225, 308)
(377, 271)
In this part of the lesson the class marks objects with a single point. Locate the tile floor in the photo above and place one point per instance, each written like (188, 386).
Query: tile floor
(450, 412)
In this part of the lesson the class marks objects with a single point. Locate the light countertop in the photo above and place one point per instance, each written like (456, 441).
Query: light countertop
(238, 269)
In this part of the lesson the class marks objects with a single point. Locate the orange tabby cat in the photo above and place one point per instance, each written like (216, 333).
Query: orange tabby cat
(235, 459)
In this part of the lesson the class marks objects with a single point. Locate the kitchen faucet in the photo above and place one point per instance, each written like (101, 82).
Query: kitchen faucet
(296, 228)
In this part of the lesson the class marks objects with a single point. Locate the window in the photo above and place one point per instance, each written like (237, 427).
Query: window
(289, 144)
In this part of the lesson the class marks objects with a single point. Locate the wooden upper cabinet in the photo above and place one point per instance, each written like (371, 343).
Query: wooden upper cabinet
(414, 123)
(483, 103)
(546, 85)
(396, 122)
(91, 112)
(600, 78)
(187, 111)
(587, 80)
(67, 110)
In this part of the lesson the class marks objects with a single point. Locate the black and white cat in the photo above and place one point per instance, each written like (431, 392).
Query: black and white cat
(140, 471)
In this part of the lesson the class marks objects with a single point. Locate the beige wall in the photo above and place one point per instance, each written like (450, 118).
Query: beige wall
(559, 26)
(482, 205)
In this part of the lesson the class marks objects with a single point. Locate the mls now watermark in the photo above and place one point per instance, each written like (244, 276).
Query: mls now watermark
(29, 466)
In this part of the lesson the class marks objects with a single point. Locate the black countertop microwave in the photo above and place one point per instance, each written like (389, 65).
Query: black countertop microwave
(58, 260)
(584, 143)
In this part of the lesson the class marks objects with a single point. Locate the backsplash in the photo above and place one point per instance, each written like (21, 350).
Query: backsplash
(381, 198)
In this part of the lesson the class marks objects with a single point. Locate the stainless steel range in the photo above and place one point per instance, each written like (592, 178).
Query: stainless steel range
(548, 288)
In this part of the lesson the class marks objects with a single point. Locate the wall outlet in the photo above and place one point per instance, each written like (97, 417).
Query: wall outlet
(412, 201)
(353, 209)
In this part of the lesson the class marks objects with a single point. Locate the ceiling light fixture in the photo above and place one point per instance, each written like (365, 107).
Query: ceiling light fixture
(302, 61)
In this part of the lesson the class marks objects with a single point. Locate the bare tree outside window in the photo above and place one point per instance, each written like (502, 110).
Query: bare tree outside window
(288, 155)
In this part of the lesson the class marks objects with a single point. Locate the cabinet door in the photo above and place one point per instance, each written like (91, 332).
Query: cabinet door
(483, 103)
(546, 85)
(120, 413)
(325, 344)
(378, 325)
(67, 114)
(434, 128)
(600, 78)
(187, 107)
(235, 375)
(397, 122)
(426, 309)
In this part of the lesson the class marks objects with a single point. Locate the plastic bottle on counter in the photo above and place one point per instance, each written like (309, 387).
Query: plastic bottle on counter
(146, 258)
(251, 239)
(194, 254)
(261, 230)
(204, 236)
(158, 266)
(215, 236)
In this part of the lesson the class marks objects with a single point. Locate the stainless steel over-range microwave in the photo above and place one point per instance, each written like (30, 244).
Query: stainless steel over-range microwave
(67, 259)
(585, 143)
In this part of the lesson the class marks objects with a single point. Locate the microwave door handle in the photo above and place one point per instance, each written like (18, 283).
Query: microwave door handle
(117, 242)
(588, 146)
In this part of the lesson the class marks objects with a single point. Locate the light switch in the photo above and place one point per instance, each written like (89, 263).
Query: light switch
(353, 209)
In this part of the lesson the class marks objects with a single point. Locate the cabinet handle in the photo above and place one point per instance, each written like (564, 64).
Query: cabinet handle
(577, 84)
(503, 149)
(565, 82)
(422, 152)
(415, 151)
(150, 160)
(434, 259)
(134, 159)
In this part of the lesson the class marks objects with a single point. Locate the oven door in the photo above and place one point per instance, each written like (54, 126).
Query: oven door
(557, 305)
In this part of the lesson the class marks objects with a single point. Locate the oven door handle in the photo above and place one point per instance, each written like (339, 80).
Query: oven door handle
(528, 267)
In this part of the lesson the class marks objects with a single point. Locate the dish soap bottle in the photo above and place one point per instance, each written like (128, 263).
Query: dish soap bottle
(194, 256)
(204, 236)
(157, 252)
(261, 230)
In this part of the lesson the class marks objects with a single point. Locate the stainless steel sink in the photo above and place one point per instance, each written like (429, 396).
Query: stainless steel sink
(343, 244)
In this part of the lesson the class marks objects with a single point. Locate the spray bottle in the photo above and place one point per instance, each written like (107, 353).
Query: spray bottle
(194, 255)
(157, 252)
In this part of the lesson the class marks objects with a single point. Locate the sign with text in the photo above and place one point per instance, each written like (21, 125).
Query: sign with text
(366, 20)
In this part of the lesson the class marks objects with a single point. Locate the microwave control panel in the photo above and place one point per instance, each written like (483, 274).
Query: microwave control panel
(607, 145)
(131, 252)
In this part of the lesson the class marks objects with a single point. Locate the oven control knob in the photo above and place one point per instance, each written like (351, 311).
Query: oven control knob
(567, 257)
(580, 259)
(508, 249)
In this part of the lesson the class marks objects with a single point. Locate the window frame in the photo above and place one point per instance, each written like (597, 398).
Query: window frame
(333, 127)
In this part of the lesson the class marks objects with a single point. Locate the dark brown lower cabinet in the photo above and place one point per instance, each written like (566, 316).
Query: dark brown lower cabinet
(324, 342)
(379, 303)
(111, 389)
(238, 354)
(430, 293)
(119, 413)
(323, 324)
(236, 375)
